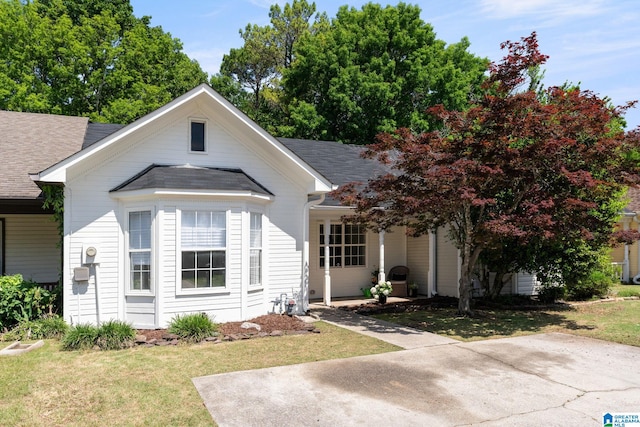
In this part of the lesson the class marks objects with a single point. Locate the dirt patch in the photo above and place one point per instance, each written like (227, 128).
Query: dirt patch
(268, 323)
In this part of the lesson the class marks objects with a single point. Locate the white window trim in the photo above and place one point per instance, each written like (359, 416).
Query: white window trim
(342, 245)
(201, 291)
(257, 286)
(206, 132)
(127, 263)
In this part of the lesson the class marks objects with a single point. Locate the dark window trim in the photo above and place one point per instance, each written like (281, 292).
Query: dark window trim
(204, 136)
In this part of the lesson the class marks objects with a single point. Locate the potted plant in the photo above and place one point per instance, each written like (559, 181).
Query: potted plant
(374, 276)
(381, 291)
(413, 290)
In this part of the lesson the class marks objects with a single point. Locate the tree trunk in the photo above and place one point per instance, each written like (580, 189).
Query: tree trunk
(465, 288)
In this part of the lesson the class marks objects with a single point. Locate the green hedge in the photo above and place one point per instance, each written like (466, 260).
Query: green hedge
(23, 300)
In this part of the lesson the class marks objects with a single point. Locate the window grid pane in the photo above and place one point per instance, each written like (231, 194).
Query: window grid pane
(350, 253)
(203, 238)
(140, 250)
(255, 249)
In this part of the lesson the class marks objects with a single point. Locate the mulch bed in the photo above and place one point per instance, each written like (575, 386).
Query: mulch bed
(438, 302)
(269, 325)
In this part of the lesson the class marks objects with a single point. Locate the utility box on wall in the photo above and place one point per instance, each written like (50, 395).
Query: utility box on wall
(81, 274)
(90, 254)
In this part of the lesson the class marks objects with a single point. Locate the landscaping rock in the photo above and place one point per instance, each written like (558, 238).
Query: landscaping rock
(250, 325)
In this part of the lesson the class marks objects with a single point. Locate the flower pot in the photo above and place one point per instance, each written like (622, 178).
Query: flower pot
(382, 299)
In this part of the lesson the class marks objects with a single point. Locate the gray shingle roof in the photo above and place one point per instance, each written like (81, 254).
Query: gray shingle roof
(192, 178)
(31, 142)
(339, 163)
(97, 131)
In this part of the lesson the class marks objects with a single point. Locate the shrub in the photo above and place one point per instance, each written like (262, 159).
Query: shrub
(596, 284)
(550, 293)
(47, 327)
(193, 327)
(115, 335)
(80, 337)
(22, 300)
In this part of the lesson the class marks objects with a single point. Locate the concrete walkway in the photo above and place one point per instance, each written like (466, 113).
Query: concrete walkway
(547, 379)
(401, 336)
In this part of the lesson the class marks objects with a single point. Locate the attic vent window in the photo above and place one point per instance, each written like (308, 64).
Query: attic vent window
(197, 137)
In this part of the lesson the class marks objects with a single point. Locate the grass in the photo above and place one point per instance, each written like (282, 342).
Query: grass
(149, 386)
(617, 321)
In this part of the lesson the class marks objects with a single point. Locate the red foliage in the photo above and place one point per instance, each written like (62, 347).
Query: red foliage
(515, 165)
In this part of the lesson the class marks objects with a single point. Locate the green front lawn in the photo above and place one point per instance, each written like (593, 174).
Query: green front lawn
(617, 321)
(149, 386)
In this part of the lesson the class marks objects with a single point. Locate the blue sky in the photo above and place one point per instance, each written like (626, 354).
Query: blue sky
(592, 42)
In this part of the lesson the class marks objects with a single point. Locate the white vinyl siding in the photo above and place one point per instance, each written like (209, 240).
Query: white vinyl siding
(418, 261)
(447, 272)
(31, 247)
(96, 216)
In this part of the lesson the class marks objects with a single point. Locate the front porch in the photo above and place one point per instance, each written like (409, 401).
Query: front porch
(356, 301)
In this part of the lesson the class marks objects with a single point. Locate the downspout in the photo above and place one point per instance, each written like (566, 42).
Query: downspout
(625, 265)
(305, 251)
(636, 278)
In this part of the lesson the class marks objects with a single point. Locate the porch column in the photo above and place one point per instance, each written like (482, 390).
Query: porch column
(625, 266)
(327, 262)
(381, 275)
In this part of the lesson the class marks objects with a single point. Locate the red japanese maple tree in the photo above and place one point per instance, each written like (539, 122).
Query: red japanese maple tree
(518, 164)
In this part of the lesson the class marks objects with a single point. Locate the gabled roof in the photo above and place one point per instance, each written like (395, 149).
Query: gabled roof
(224, 110)
(30, 142)
(192, 178)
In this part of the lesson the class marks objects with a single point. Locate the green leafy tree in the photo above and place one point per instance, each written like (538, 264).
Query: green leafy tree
(88, 58)
(372, 70)
(258, 65)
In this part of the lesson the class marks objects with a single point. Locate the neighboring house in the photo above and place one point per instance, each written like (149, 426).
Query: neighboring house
(627, 257)
(195, 208)
(28, 235)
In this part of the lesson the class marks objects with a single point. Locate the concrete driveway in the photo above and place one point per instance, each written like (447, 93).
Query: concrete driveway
(548, 379)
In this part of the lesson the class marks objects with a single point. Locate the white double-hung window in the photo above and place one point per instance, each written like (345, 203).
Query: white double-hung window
(255, 249)
(203, 240)
(140, 251)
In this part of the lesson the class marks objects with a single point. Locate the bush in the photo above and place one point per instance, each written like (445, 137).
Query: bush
(115, 335)
(193, 327)
(550, 293)
(47, 327)
(597, 284)
(80, 337)
(23, 300)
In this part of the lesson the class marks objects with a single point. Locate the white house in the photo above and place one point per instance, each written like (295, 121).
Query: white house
(195, 208)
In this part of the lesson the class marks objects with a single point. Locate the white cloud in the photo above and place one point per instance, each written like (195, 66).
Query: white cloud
(544, 9)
